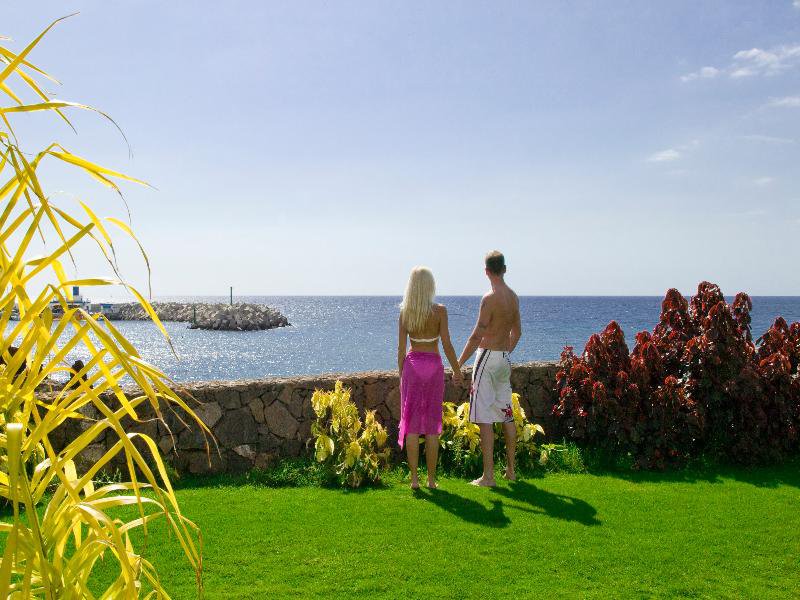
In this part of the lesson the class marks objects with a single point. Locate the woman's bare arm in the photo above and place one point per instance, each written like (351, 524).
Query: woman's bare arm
(402, 344)
(447, 346)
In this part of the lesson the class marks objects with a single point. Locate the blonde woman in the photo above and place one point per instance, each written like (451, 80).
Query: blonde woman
(423, 323)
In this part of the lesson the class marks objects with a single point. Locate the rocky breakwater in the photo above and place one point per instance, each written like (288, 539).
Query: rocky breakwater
(224, 317)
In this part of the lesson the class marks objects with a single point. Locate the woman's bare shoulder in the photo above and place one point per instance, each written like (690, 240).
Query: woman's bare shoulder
(439, 309)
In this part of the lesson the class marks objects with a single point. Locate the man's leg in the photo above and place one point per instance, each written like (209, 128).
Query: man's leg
(487, 448)
(412, 452)
(510, 433)
(431, 456)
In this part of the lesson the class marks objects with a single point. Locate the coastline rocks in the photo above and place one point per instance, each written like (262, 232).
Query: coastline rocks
(221, 317)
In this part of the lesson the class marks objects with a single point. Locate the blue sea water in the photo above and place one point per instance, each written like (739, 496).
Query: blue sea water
(341, 334)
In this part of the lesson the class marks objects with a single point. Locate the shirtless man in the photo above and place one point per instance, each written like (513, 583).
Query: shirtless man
(495, 336)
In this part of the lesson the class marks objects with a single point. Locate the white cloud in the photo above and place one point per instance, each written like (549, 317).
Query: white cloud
(765, 62)
(671, 154)
(796, 3)
(767, 139)
(763, 181)
(752, 63)
(665, 155)
(785, 102)
(704, 73)
(742, 72)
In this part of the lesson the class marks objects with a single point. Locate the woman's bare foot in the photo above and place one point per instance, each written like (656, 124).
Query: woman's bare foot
(484, 482)
(414, 483)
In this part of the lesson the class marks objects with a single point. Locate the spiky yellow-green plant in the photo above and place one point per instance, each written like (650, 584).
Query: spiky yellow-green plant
(51, 552)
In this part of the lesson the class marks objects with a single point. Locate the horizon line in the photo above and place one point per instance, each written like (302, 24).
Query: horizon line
(477, 295)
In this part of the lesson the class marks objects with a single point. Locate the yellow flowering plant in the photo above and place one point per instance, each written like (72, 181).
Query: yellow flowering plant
(355, 451)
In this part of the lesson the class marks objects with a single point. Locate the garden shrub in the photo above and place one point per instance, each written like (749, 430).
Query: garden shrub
(354, 451)
(697, 384)
(460, 440)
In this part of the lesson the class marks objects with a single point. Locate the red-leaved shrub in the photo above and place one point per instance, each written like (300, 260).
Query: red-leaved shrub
(697, 384)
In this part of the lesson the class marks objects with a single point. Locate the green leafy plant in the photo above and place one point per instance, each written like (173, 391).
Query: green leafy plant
(460, 440)
(65, 519)
(356, 452)
(529, 453)
(562, 458)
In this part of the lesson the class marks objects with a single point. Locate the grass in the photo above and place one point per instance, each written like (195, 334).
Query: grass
(713, 533)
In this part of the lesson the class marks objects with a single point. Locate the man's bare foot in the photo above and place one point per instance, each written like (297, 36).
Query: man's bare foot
(432, 485)
(484, 482)
(510, 476)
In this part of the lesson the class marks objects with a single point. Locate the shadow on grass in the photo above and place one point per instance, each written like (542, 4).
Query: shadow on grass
(553, 505)
(769, 476)
(537, 500)
(467, 509)
(296, 473)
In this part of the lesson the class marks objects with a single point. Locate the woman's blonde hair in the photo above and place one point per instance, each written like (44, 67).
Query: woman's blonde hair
(418, 300)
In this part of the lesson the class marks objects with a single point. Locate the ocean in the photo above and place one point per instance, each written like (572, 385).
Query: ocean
(359, 333)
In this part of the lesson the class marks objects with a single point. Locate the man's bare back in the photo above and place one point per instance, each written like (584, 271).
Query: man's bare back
(501, 308)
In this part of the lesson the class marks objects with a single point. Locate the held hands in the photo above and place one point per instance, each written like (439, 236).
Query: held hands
(458, 378)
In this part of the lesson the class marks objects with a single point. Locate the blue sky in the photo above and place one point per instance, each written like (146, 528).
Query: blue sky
(326, 148)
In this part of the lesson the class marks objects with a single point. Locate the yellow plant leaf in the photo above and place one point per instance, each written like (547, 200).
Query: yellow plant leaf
(353, 453)
(324, 447)
(380, 437)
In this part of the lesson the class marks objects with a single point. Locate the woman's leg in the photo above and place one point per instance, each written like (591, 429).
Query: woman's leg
(431, 456)
(412, 452)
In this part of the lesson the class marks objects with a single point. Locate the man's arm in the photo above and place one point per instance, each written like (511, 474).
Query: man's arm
(477, 333)
(402, 344)
(516, 330)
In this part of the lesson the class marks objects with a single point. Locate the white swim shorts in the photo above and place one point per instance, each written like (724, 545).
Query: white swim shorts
(490, 396)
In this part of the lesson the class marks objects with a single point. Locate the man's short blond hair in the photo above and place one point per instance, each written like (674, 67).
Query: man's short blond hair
(496, 262)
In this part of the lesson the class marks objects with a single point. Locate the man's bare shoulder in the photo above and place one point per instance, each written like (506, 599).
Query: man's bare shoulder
(488, 302)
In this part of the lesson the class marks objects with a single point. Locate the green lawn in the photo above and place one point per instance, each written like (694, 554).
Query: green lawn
(730, 533)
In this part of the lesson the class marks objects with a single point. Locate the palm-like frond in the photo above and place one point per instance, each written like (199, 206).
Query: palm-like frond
(62, 525)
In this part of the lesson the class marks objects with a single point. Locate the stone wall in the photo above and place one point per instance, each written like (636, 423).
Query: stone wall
(257, 422)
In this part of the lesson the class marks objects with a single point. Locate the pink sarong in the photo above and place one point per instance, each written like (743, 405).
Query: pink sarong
(421, 394)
